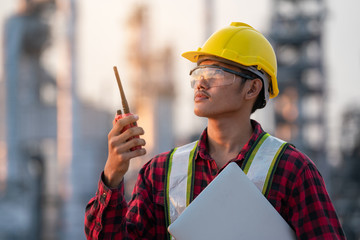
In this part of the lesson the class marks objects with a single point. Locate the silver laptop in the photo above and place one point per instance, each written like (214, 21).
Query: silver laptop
(230, 207)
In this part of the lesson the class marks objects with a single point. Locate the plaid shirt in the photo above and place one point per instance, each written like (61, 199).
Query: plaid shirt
(297, 192)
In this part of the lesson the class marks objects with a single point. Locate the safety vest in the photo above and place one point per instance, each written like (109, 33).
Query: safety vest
(259, 165)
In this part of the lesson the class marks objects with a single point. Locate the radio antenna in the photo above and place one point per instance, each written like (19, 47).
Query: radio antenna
(122, 94)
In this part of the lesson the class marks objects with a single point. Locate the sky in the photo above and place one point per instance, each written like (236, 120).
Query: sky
(102, 40)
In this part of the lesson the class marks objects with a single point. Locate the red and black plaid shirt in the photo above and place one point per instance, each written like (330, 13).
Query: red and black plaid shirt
(297, 192)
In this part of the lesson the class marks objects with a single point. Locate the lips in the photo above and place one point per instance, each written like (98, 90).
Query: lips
(201, 95)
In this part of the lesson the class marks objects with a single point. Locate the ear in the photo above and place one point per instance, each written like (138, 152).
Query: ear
(253, 89)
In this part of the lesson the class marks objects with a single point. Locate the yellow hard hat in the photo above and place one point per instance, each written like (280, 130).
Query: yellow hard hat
(242, 44)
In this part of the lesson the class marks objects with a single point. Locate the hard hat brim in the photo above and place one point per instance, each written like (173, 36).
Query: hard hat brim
(192, 55)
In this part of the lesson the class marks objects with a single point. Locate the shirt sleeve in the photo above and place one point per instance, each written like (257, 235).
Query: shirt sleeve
(108, 215)
(312, 213)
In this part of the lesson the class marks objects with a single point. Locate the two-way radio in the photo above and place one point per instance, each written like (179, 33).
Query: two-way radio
(126, 110)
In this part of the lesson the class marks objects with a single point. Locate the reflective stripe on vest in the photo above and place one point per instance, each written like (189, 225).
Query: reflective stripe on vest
(178, 185)
(259, 164)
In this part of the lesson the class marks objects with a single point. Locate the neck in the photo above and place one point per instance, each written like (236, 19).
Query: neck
(226, 138)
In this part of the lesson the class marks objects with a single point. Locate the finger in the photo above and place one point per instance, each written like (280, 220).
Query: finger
(121, 147)
(132, 132)
(118, 139)
(126, 120)
(135, 142)
(121, 123)
(135, 153)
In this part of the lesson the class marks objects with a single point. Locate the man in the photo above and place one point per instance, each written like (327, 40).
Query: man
(235, 76)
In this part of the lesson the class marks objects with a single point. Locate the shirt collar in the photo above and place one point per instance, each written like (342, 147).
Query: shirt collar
(203, 147)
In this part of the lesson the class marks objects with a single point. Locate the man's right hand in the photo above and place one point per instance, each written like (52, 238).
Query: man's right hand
(119, 154)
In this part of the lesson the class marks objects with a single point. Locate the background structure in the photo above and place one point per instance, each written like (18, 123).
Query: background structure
(58, 95)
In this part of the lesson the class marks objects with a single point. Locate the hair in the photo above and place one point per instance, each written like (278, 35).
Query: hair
(260, 101)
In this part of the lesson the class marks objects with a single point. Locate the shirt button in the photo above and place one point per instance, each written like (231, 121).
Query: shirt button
(103, 197)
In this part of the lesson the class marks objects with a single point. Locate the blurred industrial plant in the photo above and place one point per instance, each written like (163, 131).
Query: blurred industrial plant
(53, 143)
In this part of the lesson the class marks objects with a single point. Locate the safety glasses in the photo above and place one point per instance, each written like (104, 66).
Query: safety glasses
(215, 76)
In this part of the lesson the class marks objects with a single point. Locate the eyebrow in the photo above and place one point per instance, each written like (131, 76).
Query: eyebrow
(215, 64)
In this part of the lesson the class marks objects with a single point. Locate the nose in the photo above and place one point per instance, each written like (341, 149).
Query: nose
(201, 84)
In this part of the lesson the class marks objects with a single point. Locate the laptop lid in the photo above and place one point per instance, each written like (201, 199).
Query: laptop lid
(230, 207)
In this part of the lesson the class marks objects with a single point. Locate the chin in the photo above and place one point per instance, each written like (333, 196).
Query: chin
(203, 113)
(199, 113)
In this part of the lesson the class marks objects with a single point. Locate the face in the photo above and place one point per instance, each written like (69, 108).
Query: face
(219, 101)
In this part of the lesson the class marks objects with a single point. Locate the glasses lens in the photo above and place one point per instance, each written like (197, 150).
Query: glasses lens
(210, 76)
